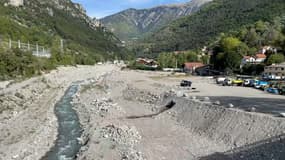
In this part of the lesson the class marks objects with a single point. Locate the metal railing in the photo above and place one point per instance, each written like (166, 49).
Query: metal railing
(37, 50)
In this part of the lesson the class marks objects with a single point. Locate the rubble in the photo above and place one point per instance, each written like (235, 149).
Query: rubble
(140, 95)
(123, 135)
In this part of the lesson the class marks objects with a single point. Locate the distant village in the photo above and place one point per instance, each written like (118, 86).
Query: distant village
(274, 71)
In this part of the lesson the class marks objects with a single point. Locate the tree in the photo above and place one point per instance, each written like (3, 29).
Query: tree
(191, 56)
(275, 58)
(230, 44)
(205, 59)
(232, 60)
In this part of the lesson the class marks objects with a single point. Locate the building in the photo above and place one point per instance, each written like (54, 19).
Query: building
(265, 49)
(256, 59)
(207, 70)
(16, 3)
(260, 58)
(147, 62)
(275, 71)
(190, 67)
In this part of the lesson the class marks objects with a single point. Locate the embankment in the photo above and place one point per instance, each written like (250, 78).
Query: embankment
(246, 134)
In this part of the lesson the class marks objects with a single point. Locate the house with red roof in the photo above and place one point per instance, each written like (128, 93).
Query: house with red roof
(256, 59)
(190, 67)
(260, 58)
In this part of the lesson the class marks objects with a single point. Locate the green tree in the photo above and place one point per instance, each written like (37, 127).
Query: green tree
(230, 44)
(191, 57)
(275, 58)
(205, 59)
(232, 61)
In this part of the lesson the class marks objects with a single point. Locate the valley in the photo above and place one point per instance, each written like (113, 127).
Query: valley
(142, 80)
(195, 128)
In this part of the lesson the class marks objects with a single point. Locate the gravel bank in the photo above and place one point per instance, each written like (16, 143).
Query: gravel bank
(28, 126)
(193, 129)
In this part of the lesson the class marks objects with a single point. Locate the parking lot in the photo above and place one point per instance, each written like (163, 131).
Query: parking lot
(245, 98)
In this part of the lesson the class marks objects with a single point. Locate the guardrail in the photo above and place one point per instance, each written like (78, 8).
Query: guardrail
(37, 50)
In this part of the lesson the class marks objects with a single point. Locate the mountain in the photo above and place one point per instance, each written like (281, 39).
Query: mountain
(133, 23)
(46, 22)
(219, 16)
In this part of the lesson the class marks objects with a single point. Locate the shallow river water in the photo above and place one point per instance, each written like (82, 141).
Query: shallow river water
(67, 145)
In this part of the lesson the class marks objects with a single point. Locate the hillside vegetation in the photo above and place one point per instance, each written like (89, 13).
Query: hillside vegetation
(132, 24)
(46, 23)
(219, 16)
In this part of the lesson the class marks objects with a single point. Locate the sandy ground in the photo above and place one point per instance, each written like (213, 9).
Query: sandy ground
(113, 107)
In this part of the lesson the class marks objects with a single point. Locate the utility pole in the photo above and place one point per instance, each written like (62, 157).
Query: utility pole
(61, 45)
(37, 46)
(29, 47)
(19, 44)
(10, 43)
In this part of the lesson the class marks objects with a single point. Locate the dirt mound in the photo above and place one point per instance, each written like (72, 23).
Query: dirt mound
(251, 136)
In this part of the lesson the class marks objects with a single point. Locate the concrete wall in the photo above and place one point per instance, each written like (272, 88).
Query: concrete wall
(16, 3)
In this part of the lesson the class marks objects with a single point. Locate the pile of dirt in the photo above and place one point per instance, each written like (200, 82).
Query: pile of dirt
(134, 94)
(243, 132)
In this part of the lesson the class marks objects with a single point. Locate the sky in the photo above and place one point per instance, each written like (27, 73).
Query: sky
(102, 8)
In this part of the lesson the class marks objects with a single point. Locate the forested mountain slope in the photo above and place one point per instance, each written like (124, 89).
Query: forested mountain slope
(219, 16)
(135, 23)
(45, 22)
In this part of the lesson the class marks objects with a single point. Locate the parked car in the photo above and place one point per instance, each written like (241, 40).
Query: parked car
(220, 80)
(282, 90)
(261, 84)
(249, 82)
(272, 90)
(227, 82)
(237, 82)
(185, 83)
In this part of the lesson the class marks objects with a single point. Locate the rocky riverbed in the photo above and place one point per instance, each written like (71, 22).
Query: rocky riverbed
(28, 125)
(124, 115)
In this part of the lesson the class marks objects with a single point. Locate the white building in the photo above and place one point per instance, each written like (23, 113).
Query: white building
(16, 3)
(275, 71)
(257, 59)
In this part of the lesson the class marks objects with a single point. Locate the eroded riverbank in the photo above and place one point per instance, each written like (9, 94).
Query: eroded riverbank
(28, 125)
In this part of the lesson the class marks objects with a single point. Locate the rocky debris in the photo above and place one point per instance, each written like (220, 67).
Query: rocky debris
(231, 105)
(123, 135)
(102, 106)
(217, 103)
(206, 99)
(140, 95)
(13, 103)
(179, 93)
(126, 137)
(132, 155)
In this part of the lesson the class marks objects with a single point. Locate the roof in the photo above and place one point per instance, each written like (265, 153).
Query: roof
(193, 64)
(247, 57)
(260, 56)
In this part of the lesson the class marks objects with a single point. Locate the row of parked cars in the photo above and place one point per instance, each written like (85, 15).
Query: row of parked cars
(271, 86)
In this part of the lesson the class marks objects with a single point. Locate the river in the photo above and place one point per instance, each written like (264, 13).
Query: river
(66, 146)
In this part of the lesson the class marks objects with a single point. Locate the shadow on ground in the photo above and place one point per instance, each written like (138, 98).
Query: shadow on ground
(269, 149)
